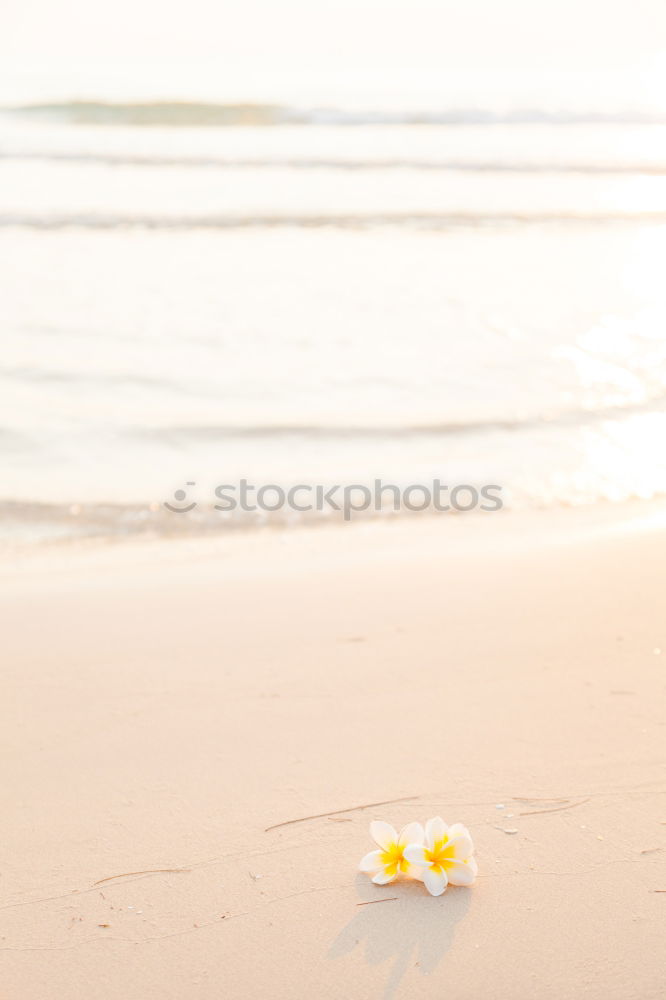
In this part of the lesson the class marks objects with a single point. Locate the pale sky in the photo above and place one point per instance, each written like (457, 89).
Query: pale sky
(270, 50)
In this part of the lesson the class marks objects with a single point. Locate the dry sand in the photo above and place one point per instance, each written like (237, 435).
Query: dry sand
(164, 703)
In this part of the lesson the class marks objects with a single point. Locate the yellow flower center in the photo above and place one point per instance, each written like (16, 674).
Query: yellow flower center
(441, 855)
(393, 860)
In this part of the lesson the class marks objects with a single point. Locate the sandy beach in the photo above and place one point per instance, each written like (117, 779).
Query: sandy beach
(167, 703)
(332, 423)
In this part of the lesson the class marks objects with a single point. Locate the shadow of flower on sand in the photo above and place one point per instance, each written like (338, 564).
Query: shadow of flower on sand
(416, 928)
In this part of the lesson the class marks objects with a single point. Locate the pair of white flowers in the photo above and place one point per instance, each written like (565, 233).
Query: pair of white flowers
(438, 856)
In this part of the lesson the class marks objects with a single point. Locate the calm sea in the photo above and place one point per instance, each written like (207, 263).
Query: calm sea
(199, 293)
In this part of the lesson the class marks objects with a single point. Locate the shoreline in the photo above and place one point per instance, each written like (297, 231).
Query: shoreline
(567, 520)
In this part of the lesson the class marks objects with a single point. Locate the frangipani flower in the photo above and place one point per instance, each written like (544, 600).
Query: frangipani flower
(446, 857)
(389, 861)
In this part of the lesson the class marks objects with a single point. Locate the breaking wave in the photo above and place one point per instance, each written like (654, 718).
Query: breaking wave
(197, 114)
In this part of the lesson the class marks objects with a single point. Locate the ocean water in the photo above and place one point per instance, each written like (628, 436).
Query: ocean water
(203, 293)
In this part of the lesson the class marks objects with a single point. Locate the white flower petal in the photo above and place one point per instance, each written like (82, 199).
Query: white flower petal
(459, 830)
(411, 834)
(372, 862)
(383, 834)
(381, 878)
(456, 829)
(434, 830)
(415, 854)
(435, 881)
(461, 874)
(463, 848)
